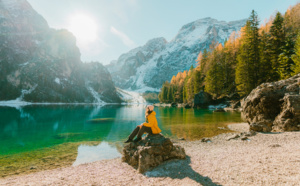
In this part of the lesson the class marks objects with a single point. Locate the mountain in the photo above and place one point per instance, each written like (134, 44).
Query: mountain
(146, 68)
(40, 64)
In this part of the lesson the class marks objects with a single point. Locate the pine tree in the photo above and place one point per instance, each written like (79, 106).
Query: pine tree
(197, 81)
(285, 59)
(202, 61)
(296, 57)
(214, 77)
(254, 46)
(247, 71)
(265, 58)
(276, 43)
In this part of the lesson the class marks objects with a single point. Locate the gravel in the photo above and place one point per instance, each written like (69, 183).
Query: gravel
(262, 159)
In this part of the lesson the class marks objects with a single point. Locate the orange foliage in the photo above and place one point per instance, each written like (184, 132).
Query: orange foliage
(266, 25)
(184, 74)
(219, 47)
(173, 80)
(199, 58)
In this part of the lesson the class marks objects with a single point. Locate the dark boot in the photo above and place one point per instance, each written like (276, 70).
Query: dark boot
(137, 139)
(128, 141)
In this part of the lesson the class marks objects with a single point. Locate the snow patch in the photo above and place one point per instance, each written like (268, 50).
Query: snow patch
(130, 96)
(18, 103)
(94, 94)
(24, 92)
(57, 80)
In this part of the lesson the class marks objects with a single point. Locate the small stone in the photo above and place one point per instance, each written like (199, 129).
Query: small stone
(33, 167)
(251, 133)
(181, 138)
(275, 145)
(219, 110)
(205, 140)
(235, 136)
(244, 138)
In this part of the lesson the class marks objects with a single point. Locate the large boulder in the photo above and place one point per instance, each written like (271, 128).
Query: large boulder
(150, 152)
(289, 117)
(274, 106)
(203, 99)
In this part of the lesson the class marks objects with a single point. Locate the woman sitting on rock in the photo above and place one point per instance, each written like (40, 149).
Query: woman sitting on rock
(150, 126)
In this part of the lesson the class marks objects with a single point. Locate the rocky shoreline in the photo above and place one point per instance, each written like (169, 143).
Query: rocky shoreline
(264, 159)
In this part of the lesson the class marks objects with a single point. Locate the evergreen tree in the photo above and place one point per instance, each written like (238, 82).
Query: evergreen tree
(296, 57)
(276, 43)
(285, 59)
(247, 71)
(197, 81)
(214, 77)
(265, 58)
(202, 61)
(253, 37)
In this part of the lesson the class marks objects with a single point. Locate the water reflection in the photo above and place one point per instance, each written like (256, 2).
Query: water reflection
(48, 133)
(34, 127)
(87, 154)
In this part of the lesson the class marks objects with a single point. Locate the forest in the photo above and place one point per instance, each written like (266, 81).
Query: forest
(256, 54)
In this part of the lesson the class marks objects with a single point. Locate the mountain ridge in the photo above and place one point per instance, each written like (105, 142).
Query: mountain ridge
(145, 69)
(41, 64)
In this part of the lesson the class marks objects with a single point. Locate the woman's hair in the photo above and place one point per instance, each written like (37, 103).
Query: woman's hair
(148, 110)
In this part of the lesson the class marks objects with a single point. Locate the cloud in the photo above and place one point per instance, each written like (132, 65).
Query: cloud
(125, 39)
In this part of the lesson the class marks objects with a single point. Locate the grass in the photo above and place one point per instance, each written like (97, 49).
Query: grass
(62, 155)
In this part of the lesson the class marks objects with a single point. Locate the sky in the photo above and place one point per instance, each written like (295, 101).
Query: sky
(105, 29)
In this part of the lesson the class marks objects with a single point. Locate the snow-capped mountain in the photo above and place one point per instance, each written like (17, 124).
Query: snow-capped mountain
(40, 64)
(146, 68)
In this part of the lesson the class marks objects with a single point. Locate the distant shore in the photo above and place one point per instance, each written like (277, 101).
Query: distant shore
(263, 159)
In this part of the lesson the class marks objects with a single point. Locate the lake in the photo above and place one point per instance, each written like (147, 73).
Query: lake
(35, 137)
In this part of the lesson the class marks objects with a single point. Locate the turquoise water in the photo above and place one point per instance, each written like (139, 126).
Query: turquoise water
(33, 128)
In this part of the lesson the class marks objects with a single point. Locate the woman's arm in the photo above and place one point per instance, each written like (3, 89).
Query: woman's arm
(150, 122)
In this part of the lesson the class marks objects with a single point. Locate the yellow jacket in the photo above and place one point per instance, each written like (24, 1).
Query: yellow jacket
(152, 122)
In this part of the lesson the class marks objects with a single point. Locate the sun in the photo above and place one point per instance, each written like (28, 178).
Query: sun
(84, 28)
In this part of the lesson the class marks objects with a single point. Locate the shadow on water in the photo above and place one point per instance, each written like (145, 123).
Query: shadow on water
(180, 169)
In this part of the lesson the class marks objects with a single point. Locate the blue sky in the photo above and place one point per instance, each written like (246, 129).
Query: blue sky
(125, 24)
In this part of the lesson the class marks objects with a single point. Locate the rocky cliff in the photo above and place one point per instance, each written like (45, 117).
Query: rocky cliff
(147, 67)
(40, 64)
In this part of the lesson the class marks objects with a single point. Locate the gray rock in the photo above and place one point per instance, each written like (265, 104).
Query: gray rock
(244, 138)
(235, 104)
(202, 99)
(150, 152)
(174, 104)
(187, 106)
(274, 106)
(219, 110)
(205, 140)
(235, 136)
(248, 134)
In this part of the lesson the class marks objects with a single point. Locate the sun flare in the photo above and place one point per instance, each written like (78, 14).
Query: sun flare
(84, 28)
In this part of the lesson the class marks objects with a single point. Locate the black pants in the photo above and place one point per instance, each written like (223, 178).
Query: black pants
(140, 131)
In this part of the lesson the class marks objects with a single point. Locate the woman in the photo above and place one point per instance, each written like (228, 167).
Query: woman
(150, 126)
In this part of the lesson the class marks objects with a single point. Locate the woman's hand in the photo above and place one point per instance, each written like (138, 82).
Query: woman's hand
(140, 125)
